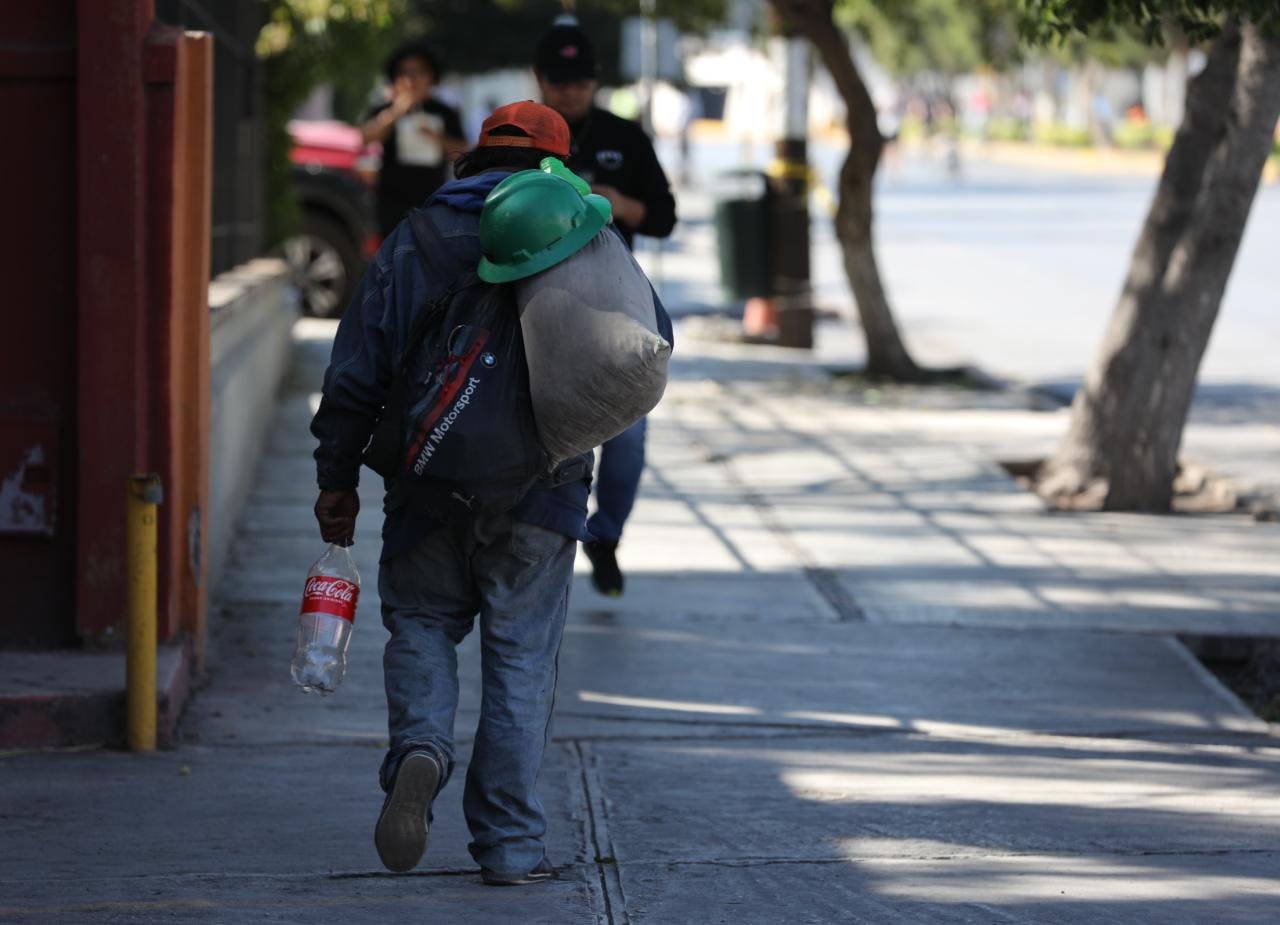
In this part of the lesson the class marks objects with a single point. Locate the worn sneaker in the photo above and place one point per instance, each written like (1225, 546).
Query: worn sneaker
(605, 574)
(544, 871)
(401, 832)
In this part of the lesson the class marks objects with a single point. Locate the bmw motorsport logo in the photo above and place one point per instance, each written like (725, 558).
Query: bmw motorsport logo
(489, 360)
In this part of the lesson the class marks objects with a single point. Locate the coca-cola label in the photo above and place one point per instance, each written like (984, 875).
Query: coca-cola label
(326, 594)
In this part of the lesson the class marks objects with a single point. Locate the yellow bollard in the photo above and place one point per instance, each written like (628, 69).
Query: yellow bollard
(140, 620)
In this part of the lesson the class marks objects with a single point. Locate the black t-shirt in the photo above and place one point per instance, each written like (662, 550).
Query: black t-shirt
(413, 166)
(616, 152)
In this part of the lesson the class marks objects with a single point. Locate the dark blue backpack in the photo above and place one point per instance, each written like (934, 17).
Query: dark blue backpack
(457, 436)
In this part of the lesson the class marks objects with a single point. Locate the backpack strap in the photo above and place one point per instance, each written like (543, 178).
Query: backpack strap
(445, 274)
(439, 262)
(442, 269)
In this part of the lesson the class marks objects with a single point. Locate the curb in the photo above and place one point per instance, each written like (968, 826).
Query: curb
(69, 718)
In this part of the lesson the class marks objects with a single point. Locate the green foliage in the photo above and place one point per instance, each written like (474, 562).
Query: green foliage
(945, 37)
(1044, 22)
(306, 43)
(1111, 45)
(950, 37)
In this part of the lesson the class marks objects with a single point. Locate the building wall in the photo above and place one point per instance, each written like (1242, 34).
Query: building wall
(37, 377)
(106, 172)
(253, 310)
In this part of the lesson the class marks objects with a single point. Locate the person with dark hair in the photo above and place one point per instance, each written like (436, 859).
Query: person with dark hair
(419, 134)
(513, 569)
(616, 157)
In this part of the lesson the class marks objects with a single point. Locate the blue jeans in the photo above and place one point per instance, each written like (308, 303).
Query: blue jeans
(517, 577)
(618, 482)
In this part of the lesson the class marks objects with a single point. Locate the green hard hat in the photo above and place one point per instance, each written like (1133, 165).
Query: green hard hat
(556, 167)
(531, 221)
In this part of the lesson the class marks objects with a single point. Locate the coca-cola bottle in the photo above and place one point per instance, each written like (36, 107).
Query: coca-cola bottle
(324, 624)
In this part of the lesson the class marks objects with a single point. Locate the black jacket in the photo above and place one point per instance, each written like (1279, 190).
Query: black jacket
(616, 152)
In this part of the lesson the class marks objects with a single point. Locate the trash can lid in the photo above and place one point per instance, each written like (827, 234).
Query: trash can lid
(742, 183)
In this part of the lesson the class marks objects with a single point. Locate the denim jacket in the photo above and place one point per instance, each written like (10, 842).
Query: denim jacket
(371, 337)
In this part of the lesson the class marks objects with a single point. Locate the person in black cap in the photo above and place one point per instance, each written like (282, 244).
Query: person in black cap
(419, 134)
(616, 157)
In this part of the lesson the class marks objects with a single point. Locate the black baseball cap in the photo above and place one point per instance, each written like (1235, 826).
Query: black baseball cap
(565, 54)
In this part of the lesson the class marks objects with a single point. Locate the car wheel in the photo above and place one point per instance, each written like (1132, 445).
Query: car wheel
(325, 265)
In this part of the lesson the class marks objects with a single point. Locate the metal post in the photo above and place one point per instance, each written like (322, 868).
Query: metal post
(648, 61)
(140, 659)
(790, 172)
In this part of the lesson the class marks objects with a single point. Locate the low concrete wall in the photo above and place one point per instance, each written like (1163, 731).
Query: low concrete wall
(252, 311)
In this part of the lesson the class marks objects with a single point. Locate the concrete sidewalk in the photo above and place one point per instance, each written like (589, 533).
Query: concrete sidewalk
(858, 676)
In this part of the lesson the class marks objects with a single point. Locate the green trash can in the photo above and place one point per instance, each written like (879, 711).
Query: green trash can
(743, 216)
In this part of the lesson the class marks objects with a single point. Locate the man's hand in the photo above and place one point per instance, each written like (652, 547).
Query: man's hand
(379, 127)
(401, 102)
(336, 514)
(627, 211)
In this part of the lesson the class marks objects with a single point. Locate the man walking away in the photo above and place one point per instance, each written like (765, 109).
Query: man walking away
(616, 157)
(513, 569)
(419, 134)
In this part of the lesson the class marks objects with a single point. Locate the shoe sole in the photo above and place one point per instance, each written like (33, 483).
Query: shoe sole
(401, 833)
(602, 590)
(523, 881)
(605, 592)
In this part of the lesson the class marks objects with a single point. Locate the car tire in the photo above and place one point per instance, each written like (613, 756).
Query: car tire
(325, 265)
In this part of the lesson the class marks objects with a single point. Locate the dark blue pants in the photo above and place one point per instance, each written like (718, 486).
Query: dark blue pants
(621, 465)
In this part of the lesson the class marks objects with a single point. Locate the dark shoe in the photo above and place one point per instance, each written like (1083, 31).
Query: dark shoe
(605, 574)
(401, 832)
(544, 871)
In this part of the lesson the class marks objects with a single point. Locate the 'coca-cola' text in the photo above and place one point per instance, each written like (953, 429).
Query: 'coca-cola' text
(327, 594)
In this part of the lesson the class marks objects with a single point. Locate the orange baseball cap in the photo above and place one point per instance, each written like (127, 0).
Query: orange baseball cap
(526, 125)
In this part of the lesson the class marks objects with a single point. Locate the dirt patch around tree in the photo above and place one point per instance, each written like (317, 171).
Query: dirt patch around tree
(1248, 666)
(1196, 490)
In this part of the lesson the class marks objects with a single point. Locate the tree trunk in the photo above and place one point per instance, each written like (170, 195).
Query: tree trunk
(1127, 420)
(887, 355)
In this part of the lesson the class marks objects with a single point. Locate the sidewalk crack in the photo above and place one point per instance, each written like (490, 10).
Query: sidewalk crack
(822, 579)
(599, 838)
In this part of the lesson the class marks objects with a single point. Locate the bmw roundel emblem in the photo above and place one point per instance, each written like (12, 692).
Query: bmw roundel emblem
(489, 360)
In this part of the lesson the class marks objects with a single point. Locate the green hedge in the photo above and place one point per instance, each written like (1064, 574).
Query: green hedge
(1142, 136)
(1063, 136)
(1007, 129)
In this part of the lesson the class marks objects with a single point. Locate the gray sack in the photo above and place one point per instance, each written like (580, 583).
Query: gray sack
(597, 363)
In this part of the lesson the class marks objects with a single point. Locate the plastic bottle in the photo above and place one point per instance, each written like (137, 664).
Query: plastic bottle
(325, 621)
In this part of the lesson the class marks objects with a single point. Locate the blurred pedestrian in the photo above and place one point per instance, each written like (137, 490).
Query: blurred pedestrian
(1101, 120)
(617, 158)
(420, 135)
(513, 569)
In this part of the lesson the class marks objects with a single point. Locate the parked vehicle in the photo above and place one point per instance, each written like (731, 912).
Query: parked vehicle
(333, 176)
